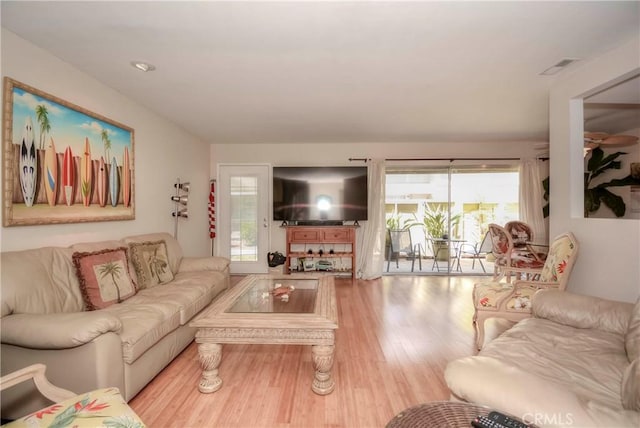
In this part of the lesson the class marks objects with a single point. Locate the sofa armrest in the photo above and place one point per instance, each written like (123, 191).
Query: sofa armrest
(192, 264)
(56, 331)
(581, 311)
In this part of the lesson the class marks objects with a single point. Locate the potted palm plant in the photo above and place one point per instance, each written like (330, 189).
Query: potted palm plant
(436, 224)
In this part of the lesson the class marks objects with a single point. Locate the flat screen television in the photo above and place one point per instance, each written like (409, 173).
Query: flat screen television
(319, 195)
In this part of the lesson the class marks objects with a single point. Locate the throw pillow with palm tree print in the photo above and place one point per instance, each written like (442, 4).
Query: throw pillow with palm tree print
(104, 277)
(151, 263)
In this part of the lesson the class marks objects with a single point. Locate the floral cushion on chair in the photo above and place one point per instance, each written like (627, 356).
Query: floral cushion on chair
(521, 300)
(520, 232)
(520, 261)
(499, 241)
(557, 259)
(488, 294)
(100, 408)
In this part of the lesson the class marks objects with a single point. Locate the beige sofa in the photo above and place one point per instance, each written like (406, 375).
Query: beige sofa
(124, 345)
(575, 363)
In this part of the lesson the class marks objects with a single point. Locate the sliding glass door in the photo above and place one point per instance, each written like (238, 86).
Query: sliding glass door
(447, 211)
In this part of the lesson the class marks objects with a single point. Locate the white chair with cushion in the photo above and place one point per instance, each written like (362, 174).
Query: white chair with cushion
(99, 408)
(512, 301)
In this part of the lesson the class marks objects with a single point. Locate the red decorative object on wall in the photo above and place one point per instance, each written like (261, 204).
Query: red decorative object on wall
(212, 210)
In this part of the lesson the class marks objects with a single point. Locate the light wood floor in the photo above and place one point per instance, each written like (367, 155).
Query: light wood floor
(395, 338)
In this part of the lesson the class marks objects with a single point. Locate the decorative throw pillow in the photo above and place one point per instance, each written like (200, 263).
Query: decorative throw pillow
(104, 277)
(151, 262)
(631, 386)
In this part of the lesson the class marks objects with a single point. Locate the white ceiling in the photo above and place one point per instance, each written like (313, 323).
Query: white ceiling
(300, 71)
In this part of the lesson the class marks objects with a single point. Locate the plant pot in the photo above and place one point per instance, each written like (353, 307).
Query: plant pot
(441, 250)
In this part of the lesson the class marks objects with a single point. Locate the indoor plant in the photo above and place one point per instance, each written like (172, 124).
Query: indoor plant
(599, 194)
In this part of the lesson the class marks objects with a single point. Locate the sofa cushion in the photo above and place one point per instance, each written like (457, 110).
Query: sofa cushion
(632, 336)
(143, 324)
(588, 362)
(151, 263)
(631, 386)
(52, 284)
(104, 277)
(583, 312)
(191, 291)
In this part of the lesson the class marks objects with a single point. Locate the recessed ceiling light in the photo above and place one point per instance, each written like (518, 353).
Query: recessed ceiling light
(143, 66)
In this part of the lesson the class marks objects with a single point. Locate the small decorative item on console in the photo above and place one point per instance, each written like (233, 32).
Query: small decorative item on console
(324, 265)
(308, 265)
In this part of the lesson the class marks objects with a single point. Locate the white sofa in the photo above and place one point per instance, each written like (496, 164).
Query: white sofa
(124, 345)
(575, 363)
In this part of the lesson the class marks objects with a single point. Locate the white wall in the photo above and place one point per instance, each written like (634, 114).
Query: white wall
(339, 154)
(609, 261)
(163, 153)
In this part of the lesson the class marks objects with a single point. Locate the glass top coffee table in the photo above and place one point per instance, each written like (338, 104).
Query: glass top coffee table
(265, 309)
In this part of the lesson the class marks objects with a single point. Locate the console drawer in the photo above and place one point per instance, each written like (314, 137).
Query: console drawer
(305, 235)
(336, 235)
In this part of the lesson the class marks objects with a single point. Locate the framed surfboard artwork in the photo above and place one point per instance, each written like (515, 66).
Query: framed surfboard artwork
(63, 163)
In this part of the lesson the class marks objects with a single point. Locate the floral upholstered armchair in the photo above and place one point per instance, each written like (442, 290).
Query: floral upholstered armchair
(512, 301)
(99, 408)
(522, 235)
(507, 257)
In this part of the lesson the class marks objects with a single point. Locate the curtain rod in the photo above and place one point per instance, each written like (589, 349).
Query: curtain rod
(449, 159)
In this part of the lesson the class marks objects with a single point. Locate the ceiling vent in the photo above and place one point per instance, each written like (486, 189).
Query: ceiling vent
(559, 66)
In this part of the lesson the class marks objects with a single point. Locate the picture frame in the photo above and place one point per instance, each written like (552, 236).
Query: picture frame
(63, 163)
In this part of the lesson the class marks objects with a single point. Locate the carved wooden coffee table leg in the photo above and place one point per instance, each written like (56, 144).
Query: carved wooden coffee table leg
(210, 355)
(323, 383)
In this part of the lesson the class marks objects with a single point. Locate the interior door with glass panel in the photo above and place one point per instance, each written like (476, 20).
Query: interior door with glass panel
(243, 217)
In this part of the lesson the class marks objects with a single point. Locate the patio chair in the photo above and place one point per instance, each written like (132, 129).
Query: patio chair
(418, 240)
(476, 251)
(401, 245)
(502, 299)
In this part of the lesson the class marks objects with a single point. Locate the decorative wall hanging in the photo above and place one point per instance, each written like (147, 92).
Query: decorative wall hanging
(63, 163)
(181, 199)
(212, 210)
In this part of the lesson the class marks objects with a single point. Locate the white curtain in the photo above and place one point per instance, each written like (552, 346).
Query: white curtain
(531, 197)
(371, 236)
